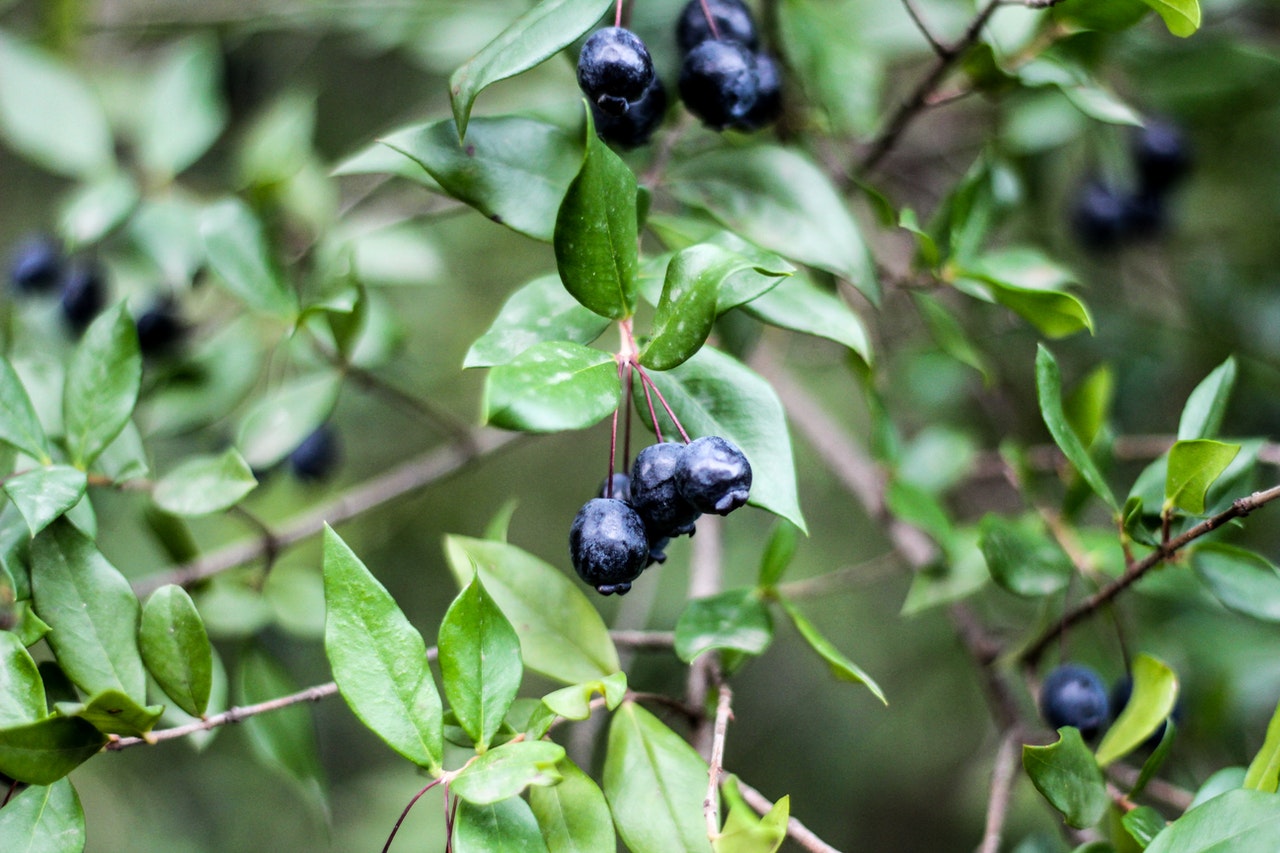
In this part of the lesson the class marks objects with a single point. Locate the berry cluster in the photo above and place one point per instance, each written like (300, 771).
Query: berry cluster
(619, 534)
(724, 80)
(1107, 216)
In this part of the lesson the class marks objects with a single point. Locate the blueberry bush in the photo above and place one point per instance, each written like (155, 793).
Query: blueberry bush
(650, 425)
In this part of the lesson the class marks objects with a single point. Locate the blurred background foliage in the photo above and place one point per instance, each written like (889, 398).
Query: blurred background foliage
(291, 88)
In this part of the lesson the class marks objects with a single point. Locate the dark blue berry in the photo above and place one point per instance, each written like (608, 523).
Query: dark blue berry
(1101, 216)
(608, 545)
(617, 486)
(633, 127)
(1144, 214)
(159, 329)
(84, 294)
(1073, 695)
(719, 83)
(614, 69)
(1160, 155)
(315, 458)
(733, 23)
(768, 105)
(654, 494)
(37, 265)
(713, 475)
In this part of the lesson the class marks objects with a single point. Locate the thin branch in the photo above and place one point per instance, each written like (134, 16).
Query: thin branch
(1002, 777)
(1157, 789)
(796, 831)
(706, 577)
(658, 641)
(938, 47)
(711, 803)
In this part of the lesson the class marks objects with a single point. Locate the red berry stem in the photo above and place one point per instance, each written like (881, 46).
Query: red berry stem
(617, 22)
(644, 378)
(613, 445)
(715, 32)
(627, 395)
(405, 814)
(653, 413)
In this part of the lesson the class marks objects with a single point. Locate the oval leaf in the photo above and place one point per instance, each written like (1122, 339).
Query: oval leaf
(736, 619)
(205, 484)
(1264, 771)
(540, 311)
(102, 384)
(1194, 465)
(1022, 557)
(573, 815)
(801, 306)
(44, 819)
(746, 832)
(1207, 404)
(479, 664)
(1069, 778)
(43, 494)
(1181, 17)
(42, 752)
(1239, 821)
(1242, 580)
(507, 770)
(284, 739)
(507, 826)
(1049, 390)
(20, 427)
(113, 713)
(22, 698)
(552, 386)
(182, 112)
(175, 648)
(237, 251)
(278, 423)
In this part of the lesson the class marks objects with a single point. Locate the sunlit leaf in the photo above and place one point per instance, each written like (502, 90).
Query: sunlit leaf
(1155, 690)
(44, 819)
(1049, 390)
(205, 484)
(505, 771)
(43, 494)
(552, 386)
(1194, 465)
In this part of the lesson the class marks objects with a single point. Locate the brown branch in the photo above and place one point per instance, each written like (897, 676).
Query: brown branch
(1002, 777)
(705, 579)
(1157, 789)
(657, 641)
(715, 767)
(796, 831)
(938, 47)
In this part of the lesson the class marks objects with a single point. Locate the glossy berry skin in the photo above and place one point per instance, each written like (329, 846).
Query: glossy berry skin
(37, 265)
(608, 545)
(84, 295)
(654, 494)
(1073, 695)
(159, 329)
(316, 457)
(719, 83)
(617, 486)
(733, 23)
(1160, 156)
(614, 69)
(713, 475)
(768, 105)
(634, 127)
(1101, 216)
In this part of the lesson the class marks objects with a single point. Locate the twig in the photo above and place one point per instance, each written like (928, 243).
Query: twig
(1157, 789)
(1002, 777)
(645, 640)
(706, 576)
(796, 831)
(711, 803)
(938, 47)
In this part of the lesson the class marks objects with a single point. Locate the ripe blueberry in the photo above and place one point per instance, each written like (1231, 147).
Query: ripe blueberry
(614, 69)
(654, 494)
(608, 545)
(768, 105)
(1101, 216)
(315, 458)
(37, 265)
(633, 127)
(1073, 695)
(733, 23)
(159, 329)
(1160, 155)
(713, 475)
(719, 83)
(84, 294)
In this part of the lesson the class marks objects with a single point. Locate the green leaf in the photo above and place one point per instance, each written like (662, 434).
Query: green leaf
(95, 209)
(950, 336)
(22, 698)
(841, 667)
(513, 170)
(1239, 821)
(379, 660)
(205, 484)
(43, 494)
(736, 619)
(90, 609)
(1069, 778)
(925, 246)
(801, 306)
(573, 815)
(175, 648)
(479, 663)
(102, 385)
(507, 770)
(507, 826)
(1207, 404)
(574, 702)
(1181, 17)
(779, 199)
(1022, 557)
(743, 831)
(1029, 283)
(552, 386)
(44, 819)
(529, 40)
(1264, 771)
(654, 782)
(113, 713)
(1226, 779)
(1155, 690)
(1194, 465)
(778, 552)
(49, 115)
(540, 311)
(42, 752)
(1143, 824)
(237, 251)
(285, 738)
(561, 634)
(20, 427)
(715, 394)
(597, 231)
(284, 416)
(1049, 391)
(182, 113)
(920, 508)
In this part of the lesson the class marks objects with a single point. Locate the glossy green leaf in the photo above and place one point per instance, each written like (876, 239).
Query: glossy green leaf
(778, 552)
(102, 385)
(1264, 771)
(1239, 821)
(779, 199)
(1022, 556)
(1105, 15)
(1089, 405)
(507, 826)
(95, 209)
(22, 698)
(574, 702)
(715, 394)
(43, 494)
(284, 416)
(573, 815)
(20, 427)
(382, 159)
(1194, 465)
(1143, 824)
(507, 770)
(1031, 284)
(479, 663)
(113, 713)
(1207, 404)
(238, 252)
(49, 115)
(1181, 17)
(513, 170)
(540, 311)
(597, 231)
(552, 386)
(285, 738)
(529, 40)
(1068, 777)
(44, 819)
(801, 306)
(561, 633)
(1155, 690)
(175, 648)
(379, 660)
(91, 610)
(736, 619)
(1049, 391)
(205, 484)
(744, 831)
(182, 112)
(1219, 782)
(841, 667)
(42, 752)
(28, 627)
(654, 782)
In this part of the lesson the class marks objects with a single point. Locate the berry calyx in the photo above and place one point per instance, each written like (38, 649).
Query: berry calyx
(37, 265)
(733, 22)
(1073, 695)
(614, 69)
(654, 494)
(634, 127)
(608, 545)
(84, 295)
(713, 475)
(719, 82)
